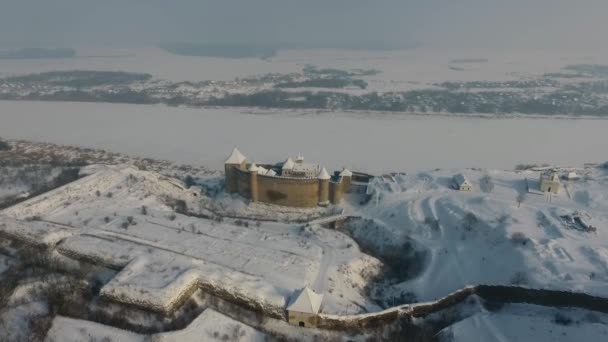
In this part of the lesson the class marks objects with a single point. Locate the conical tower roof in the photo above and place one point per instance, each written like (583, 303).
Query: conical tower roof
(346, 173)
(323, 175)
(306, 301)
(253, 167)
(236, 157)
(288, 165)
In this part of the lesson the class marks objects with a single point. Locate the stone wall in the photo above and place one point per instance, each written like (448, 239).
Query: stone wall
(309, 320)
(231, 178)
(285, 191)
(243, 179)
(290, 192)
(493, 293)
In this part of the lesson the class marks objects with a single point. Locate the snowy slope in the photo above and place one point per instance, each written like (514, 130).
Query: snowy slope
(528, 323)
(488, 238)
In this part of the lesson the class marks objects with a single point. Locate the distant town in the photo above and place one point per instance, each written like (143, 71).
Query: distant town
(580, 89)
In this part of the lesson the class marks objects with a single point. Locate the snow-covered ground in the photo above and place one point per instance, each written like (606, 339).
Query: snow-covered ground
(208, 326)
(482, 237)
(360, 141)
(119, 216)
(517, 322)
(492, 235)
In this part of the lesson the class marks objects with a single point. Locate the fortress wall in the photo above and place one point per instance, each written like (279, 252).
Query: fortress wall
(290, 192)
(231, 178)
(242, 179)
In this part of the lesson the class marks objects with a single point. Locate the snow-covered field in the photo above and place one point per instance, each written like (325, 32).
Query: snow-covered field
(361, 141)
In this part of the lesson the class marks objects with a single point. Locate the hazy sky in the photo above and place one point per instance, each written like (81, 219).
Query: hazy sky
(430, 22)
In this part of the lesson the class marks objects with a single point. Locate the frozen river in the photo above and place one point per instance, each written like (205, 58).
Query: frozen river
(371, 142)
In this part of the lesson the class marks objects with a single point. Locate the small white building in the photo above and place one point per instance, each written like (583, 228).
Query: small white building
(304, 307)
(549, 182)
(572, 176)
(461, 183)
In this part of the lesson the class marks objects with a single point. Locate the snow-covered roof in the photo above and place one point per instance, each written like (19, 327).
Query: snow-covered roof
(551, 176)
(306, 301)
(305, 167)
(323, 174)
(300, 158)
(271, 173)
(461, 180)
(253, 167)
(289, 164)
(236, 157)
(262, 170)
(346, 173)
(573, 175)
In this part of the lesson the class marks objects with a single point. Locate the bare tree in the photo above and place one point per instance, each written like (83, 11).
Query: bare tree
(520, 198)
(486, 184)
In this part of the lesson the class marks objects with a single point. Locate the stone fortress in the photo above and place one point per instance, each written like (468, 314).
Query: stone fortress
(292, 183)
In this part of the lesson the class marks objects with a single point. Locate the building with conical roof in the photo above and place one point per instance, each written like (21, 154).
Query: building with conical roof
(236, 157)
(304, 307)
(291, 183)
(549, 182)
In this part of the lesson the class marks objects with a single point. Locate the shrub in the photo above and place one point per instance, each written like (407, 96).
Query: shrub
(4, 146)
(521, 197)
(562, 319)
(172, 217)
(188, 181)
(97, 193)
(523, 167)
(469, 221)
(180, 206)
(486, 184)
(125, 225)
(431, 222)
(519, 278)
(109, 195)
(519, 238)
(144, 210)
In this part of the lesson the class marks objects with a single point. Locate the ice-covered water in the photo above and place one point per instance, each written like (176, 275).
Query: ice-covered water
(363, 141)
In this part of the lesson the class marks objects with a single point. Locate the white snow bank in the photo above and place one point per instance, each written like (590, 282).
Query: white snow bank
(208, 326)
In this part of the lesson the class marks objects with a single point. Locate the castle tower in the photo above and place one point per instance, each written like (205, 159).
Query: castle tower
(347, 179)
(323, 178)
(335, 191)
(235, 161)
(253, 182)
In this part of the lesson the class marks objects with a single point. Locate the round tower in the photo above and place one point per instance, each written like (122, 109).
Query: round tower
(253, 182)
(323, 178)
(347, 179)
(335, 192)
(235, 161)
